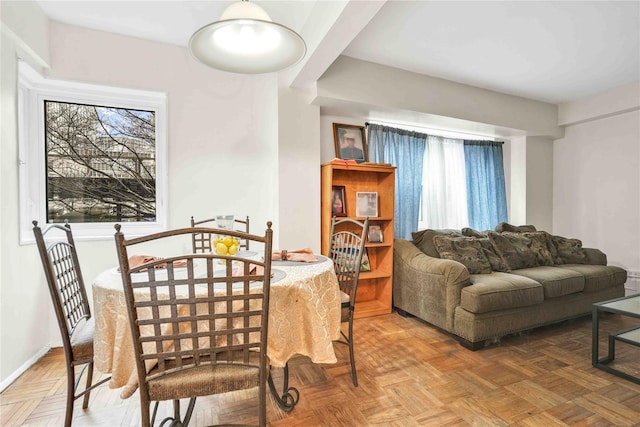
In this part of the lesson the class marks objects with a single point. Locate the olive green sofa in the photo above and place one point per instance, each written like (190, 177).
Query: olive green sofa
(439, 280)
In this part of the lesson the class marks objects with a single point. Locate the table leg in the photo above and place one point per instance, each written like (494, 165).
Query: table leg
(594, 336)
(176, 419)
(290, 395)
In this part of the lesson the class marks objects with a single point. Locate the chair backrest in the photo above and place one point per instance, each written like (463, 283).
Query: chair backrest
(196, 309)
(64, 277)
(346, 249)
(201, 242)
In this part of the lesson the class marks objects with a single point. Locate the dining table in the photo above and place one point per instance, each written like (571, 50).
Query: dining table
(304, 319)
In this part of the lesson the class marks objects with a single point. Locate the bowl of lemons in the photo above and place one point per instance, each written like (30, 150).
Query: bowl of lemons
(225, 245)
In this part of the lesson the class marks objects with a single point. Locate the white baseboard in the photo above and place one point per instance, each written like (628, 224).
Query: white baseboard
(632, 286)
(26, 365)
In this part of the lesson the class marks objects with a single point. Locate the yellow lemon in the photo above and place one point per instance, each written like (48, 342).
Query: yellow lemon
(233, 249)
(216, 240)
(228, 241)
(221, 249)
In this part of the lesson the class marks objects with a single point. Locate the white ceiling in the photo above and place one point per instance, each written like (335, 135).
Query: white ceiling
(551, 51)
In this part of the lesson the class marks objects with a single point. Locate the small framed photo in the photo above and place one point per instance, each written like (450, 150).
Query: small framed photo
(366, 204)
(350, 142)
(375, 234)
(338, 201)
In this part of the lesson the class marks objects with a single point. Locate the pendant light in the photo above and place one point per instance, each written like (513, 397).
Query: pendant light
(245, 40)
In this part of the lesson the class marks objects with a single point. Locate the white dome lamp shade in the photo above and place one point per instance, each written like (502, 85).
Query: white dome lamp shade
(245, 40)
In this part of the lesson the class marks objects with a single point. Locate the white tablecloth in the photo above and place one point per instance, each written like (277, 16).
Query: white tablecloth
(304, 319)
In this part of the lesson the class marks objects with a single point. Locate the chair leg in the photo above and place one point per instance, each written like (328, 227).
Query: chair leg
(354, 374)
(85, 402)
(71, 377)
(176, 409)
(262, 406)
(145, 421)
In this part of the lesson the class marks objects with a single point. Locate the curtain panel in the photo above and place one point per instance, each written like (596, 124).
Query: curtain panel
(405, 150)
(444, 188)
(486, 194)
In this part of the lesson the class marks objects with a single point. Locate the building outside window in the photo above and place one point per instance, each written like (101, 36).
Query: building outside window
(101, 163)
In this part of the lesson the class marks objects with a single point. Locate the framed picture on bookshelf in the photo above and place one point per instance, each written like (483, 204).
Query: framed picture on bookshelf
(367, 204)
(350, 142)
(375, 234)
(338, 201)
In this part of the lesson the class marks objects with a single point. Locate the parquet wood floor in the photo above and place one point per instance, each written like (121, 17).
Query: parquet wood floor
(410, 375)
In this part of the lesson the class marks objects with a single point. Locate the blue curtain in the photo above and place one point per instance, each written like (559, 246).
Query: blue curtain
(486, 196)
(405, 150)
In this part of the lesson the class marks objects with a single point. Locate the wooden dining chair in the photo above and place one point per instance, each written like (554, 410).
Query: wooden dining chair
(68, 295)
(201, 242)
(346, 249)
(198, 320)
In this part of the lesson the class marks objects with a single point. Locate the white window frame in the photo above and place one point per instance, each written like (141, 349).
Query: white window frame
(33, 90)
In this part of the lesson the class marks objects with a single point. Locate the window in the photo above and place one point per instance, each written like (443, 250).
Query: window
(441, 181)
(91, 155)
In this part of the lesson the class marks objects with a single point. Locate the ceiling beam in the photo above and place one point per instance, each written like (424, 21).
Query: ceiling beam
(328, 31)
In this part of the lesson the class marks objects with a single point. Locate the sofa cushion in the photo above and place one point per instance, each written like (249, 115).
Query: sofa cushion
(423, 239)
(505, 226)
(569, 250)
(496, 261)
(540, 245)
(595, 256)
(514, 249)
(598, 277)
(466, 250)
(470, 232)
(499, 291)
(555, 281)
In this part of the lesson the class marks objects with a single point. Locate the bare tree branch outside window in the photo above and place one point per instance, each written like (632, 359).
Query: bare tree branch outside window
(101, 163)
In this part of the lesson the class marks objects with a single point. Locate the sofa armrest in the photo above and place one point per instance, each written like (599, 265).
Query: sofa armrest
(595, 256)
(427, 287)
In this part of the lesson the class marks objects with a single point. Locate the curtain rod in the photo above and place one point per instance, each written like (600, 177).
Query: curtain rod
(442, 130)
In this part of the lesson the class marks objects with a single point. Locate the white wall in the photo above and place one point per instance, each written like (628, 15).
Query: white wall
(382, 88)
(539, 182)
(618, 100)
(529, 174)
(299, 179)
(25, 313)
(518, 182)
(597, 177)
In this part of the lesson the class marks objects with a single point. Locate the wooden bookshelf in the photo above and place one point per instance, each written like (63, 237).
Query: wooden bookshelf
(375, 286)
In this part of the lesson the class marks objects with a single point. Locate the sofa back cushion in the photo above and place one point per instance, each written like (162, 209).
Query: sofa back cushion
(569, 250)
(505, 226)
(514, 248)
(423, 240)
(543, 247)
(466, 250)
(496, 261)
(470, 232)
